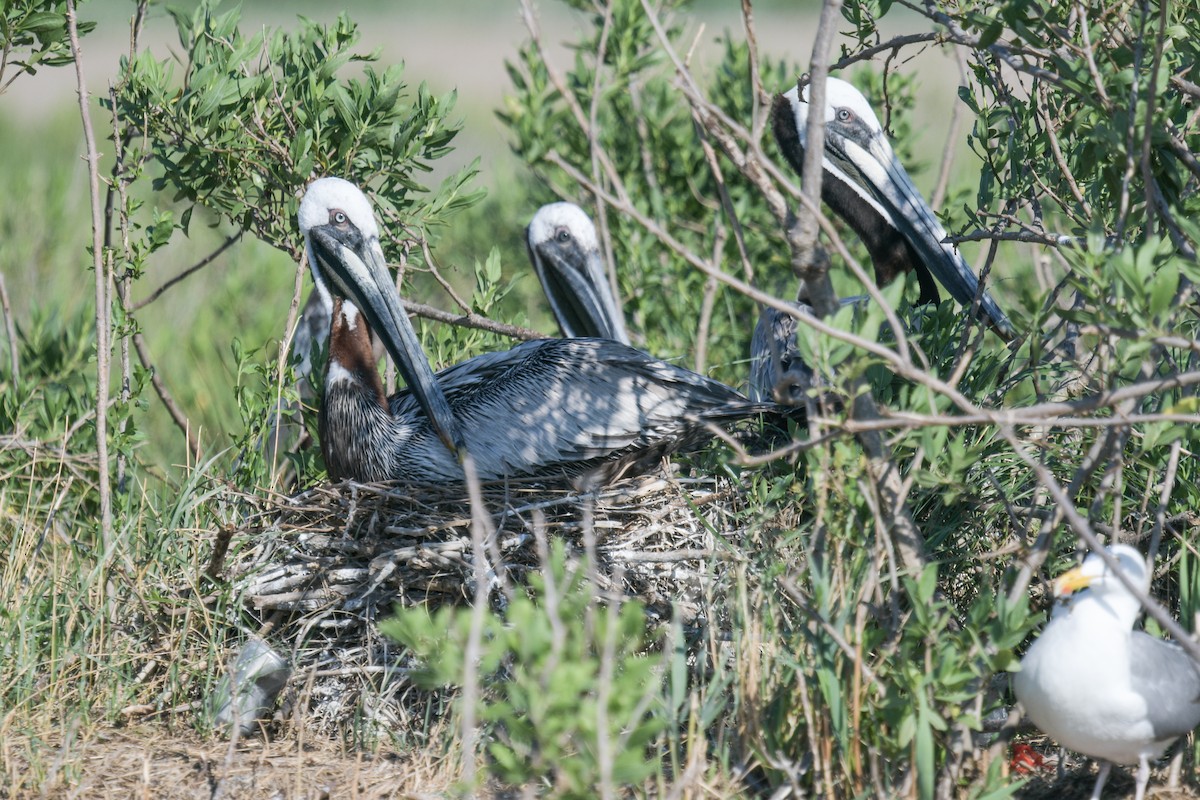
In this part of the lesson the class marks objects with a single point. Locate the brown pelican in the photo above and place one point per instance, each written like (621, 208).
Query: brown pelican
(550, 409)
(776, 369)
(867, 186)
(565, 253)
(1097, 686)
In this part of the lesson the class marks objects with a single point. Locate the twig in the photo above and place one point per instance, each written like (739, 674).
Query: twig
(187, 273)
(103, 329)
(285, 349)
(437, 276)
(952, 136)
(471, 320)
(480, 529)
(1160, 513)
(164, 395)
(10, 330)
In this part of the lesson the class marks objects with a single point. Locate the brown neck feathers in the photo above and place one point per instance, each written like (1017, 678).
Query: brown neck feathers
(350, 348)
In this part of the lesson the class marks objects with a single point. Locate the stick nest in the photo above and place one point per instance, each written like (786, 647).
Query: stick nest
(335, 559)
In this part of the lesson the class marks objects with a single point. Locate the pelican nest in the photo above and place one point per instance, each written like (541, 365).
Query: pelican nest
(329, 563)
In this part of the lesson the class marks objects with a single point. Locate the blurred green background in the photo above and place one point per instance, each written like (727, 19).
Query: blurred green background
(245, 294)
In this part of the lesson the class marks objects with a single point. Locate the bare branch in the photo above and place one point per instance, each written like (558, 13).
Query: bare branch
(187, 273)
(103, 323)
(10, 329)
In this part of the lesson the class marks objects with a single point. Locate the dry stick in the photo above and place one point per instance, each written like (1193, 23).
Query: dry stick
(481, 528)
(164, 395)
(120, 139)
(802, 235)
(802, 228)
(1151, 105)
(1160, 513)
(648, 175)
(759, 96)
(608, 657)
(102, 299)
(1181, 242)
(1023, 237)
(1125, 204)
(1056, 151)
(739, 236)
(894, 44)
(187, 273)
(285, 349)
(594, 151)
(1181, 151)
(956, 118)
(4, 54)
(471, 320)
(427, 254)
(707, 303)
(10, 329)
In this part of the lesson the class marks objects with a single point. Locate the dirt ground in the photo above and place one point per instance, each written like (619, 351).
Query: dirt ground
(147, 762)
(1080, 777)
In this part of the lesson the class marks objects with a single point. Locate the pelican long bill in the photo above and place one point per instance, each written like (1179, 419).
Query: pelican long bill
(866, 185)
(355, 263)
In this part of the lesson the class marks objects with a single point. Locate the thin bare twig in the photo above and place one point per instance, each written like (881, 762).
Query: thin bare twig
(103, 323)
(10, 330)
(164, 395)
(471, 320)
(952, 138)
(187, 273)
(481, 529)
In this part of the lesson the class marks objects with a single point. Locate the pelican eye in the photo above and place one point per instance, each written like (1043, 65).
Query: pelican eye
(338, 217)
(562, 235)
(845, 115)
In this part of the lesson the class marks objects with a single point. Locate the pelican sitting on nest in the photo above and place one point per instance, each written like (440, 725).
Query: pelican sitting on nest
(867, 186)
(565, 253)
(1097, 686)
(550, 409)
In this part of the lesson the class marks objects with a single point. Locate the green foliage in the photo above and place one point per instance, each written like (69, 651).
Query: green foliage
(1101, 133)
(566, 681)
(652, 143)
(1095, 139)
(252, 119)
(35, 32)
(822, 663)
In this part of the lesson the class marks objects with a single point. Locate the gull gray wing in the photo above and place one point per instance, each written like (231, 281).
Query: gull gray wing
(1169, 680)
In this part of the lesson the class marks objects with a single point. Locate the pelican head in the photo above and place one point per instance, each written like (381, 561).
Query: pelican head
(342, 240)
(566, 256)
(870, 188)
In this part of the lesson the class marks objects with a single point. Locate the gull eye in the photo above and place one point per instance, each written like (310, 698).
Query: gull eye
(562, 235)
(845, 115)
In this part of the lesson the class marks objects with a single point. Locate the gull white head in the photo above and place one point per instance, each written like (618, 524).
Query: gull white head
(1095, 580)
